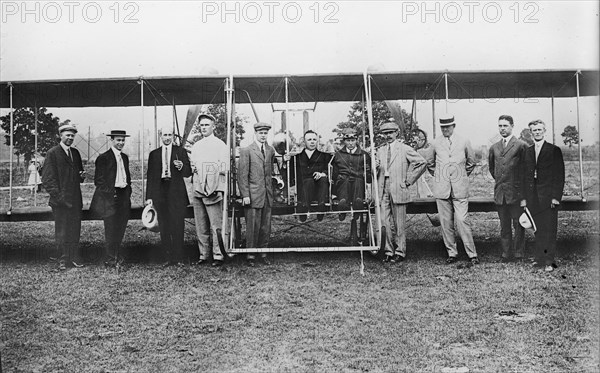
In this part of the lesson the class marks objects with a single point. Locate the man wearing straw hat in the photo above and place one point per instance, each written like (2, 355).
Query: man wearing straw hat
(256, 189)
(62, 175)
(165, 189)
(544, 184)
(112, 197)
(351, 165)
(450, 162)
(398, 167)
(210, 162)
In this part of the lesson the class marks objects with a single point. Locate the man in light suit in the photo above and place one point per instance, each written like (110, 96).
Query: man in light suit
(112, 197)
(210, 162)
(398, 167)
(544, 184)
(62, 175)
(451, 162)
(256, 188)
(505, 162)
(165, 189)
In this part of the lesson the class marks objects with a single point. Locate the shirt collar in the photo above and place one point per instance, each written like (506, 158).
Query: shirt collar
(65, 148)
(539, 144)
(508, 138)
(115, 150)
(309, 152)
(167, 146)
(259, 144)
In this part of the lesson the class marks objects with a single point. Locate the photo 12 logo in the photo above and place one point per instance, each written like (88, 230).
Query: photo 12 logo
(269, 11)
(469, 11)
(69, 11)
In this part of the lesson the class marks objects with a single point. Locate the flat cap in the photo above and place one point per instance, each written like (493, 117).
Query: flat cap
(388, 127)
(349, 133)
(206, 115)
(262, 126)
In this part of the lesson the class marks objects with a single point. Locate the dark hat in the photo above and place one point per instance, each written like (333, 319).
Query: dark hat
(446, 120)
(206, 115)
(262, 126)
(349, 133)
(388, 127)
(67, 127)
(117, 133)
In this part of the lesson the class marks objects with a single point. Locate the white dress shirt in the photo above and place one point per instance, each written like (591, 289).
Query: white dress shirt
(166, 168)
(121, 178)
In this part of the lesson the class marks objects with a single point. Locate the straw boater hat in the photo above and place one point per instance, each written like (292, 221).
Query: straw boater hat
(388, 127)
(447, 120)
(117, 133)
(150, 218)
(262, 126)
(67, 127)
(526, 220)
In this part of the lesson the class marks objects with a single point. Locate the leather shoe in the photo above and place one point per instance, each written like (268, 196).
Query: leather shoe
(342, 216)
(217, 263)
(200, 262)
(302, 218)
(62, 266)
(451, 259)
(251, 263)
(320, 217)
(265, 260)
(474, 260)
(397, 258)
(388, 259)
(77, 265)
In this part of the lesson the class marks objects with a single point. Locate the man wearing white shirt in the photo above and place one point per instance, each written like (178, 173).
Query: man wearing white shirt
(210, 162)
(544, 184)
(112, 197)
(505, 163)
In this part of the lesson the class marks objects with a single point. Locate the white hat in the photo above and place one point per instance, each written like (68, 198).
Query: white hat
(526, 220)
(447, 120)
(150, 218)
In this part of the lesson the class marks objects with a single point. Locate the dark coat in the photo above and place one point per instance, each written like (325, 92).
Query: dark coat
(177, 191)
(506, 167)
(305, 167)
(103, 202)
(254, 175)
(550, 174)
(61, 178)
(351, 166)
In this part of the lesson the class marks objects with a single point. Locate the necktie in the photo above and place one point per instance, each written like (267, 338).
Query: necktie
(262, 150)
(450, 143)
(166, 171)
(69, 154)
(121, 180)
(389, 156)
(504, 143)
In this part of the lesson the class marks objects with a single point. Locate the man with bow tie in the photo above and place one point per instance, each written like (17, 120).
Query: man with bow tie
(450, 162)
(62, 175)
(505, 163)
(398, 167)
(112, 197)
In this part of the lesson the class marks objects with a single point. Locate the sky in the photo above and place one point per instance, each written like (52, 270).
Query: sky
(67, 40)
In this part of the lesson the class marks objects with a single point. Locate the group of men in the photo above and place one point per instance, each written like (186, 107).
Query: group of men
(525, 177)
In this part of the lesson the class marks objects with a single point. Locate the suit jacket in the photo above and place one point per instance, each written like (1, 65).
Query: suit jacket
(103, 202)
(550, 169)
(305, 167)
(451, 167)
(506, 167)
(61, 178)
(254, 175)
(211, 158)
(406, 166)
(177, 192)
(346, 165)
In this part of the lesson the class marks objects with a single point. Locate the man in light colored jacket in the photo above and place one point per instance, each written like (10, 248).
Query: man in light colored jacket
(450, 162)
(210, 162)
(398, 167)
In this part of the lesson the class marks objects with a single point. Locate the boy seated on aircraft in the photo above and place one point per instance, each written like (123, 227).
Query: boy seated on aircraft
(349, 165)
(309, 170)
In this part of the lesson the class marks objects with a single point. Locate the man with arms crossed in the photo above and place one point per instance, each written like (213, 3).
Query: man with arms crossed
(505, 162)
(451, 162)
(544, 184)
(210, 162)
(62, 175)
(112, 197)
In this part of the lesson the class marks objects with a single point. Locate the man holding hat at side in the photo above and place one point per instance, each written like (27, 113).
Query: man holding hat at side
(451, 161)
(349, 166)
(62, 175)
(165, 189)
(398, 167)
(112, 197)
(210, 162)
(254, 182)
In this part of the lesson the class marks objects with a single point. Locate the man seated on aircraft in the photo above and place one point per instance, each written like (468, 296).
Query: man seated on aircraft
(349, 165)
(309, 170)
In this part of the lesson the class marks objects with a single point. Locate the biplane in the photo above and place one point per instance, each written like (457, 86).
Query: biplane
(231, 90)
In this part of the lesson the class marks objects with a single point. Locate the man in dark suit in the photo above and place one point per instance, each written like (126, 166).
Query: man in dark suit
(256, 189)
(165, 189)
(112, 197)
(544, 184)
(62, 175)
(505, 162)
(309, 170)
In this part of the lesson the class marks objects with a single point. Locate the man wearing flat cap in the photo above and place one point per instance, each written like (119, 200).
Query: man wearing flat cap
(112, 197)
(256, 189)
(210, 162)
(351, 170)
(309, 170)
(398, 167)
(165, 189)
(62, 175)
(450, 162)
